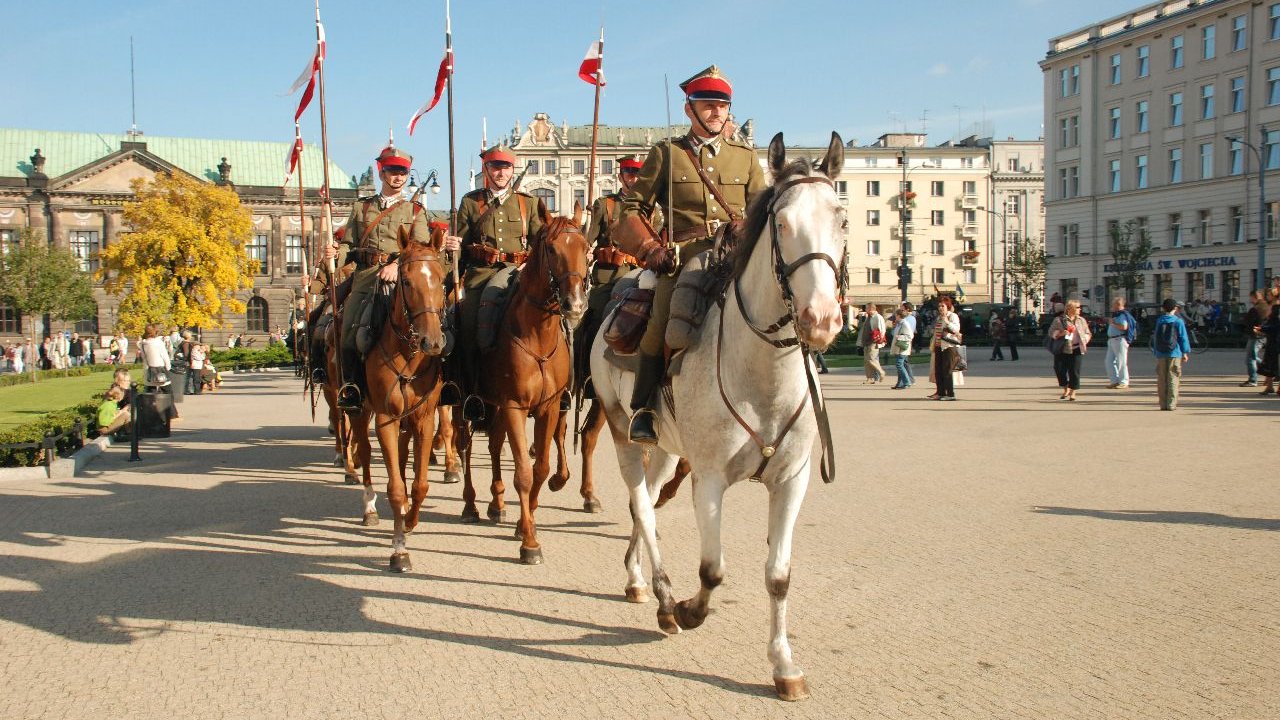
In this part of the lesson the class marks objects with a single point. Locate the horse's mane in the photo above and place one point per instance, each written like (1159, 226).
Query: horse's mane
(758, 212)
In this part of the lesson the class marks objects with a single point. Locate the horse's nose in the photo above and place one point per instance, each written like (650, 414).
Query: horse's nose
(819, 329)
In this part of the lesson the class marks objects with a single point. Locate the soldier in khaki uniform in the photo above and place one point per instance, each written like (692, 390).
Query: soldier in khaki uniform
(371, 242)
(696, 214)
(494, 225)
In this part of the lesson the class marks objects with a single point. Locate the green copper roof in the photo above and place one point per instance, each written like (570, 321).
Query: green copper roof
(252, 162)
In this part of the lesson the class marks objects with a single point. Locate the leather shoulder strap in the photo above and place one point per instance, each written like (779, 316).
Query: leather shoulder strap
(524, 220)
(368, 229)
(715, 192)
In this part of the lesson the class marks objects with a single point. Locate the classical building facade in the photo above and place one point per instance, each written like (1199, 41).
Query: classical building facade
(71, 187)
(1016, 206)
(1140, 111)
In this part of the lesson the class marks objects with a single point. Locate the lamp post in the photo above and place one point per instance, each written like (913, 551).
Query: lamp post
(904, 268)
(1260, 273)
(432, 182)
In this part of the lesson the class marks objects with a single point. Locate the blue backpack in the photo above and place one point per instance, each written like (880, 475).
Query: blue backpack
(1166, 340)
(1131, 329)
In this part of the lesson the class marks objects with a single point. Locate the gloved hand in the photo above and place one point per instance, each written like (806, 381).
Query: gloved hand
(657, 257)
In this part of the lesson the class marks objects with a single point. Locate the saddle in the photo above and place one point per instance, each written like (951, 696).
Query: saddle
(494, 299)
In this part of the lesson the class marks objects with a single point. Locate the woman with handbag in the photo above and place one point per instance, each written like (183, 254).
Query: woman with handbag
(155, 357)
(1069, 338)
(903, 334)
(946, 338)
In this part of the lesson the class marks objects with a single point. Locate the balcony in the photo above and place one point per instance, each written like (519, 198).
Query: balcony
(967, 231)
(969, 258)
(969, 202)
(910, 229)
(896, 260)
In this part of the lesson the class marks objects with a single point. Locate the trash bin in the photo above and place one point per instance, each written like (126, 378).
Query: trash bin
(178, 384)
(154, 410)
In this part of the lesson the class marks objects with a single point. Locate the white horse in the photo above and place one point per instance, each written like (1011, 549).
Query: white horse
(747, 405)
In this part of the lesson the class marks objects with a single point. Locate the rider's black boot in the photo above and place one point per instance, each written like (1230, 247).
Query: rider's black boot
(644, 397)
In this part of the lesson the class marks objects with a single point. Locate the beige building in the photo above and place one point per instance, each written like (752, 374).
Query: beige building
(1016, 206)
(1139, 109)
(72, 186)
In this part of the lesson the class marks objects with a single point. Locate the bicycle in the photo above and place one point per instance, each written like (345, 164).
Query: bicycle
(1199, 343)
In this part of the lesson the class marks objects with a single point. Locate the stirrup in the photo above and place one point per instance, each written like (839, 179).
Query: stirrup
(566, 402)
(588, 390)
(473, 409)
(641, 429)
(319, 376)
(349, 397)
(450, 395)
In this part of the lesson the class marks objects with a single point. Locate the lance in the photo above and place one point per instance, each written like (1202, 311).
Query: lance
(306, 290)
(458, 290)
(595, 126)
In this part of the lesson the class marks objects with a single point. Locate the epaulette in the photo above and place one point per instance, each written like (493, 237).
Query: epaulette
(367, 198)
(475, 194)
(738, 143)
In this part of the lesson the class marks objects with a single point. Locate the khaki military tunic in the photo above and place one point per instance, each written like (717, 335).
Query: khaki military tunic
(695, 213)
(382, 239)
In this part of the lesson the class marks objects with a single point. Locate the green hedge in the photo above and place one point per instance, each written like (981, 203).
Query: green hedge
(25, 377)
(55, 422)
(248, 358)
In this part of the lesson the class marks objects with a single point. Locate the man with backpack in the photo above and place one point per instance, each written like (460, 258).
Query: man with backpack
(1172, 349)
(1122, 330)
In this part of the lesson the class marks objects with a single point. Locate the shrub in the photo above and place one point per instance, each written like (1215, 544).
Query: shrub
(34, 431)
(242, 358)
(25, 377)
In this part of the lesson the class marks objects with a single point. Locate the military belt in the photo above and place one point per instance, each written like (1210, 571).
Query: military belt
(615, 257)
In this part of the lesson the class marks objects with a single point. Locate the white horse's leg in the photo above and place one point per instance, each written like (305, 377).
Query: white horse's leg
(708, 499)
(784, 506)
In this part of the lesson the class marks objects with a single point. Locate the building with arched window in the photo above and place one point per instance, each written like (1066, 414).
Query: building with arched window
(257, 315)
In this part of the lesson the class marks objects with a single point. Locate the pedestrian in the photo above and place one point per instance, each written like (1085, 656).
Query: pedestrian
(821, 362)
(946, 337)
(871, 338)
(196, 363)
(114, 349)
(1251, 326)
(1069, 339)
(903, 336)
(1012, 333)
(1172, 349)
(1121, 331)
(1270, 366)
(998, 335)
(111, 418)
(75, 350)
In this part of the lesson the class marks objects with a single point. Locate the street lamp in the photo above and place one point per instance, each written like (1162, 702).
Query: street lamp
(1259, 274)
(432, 182)
(1004, 246)
(904, 267)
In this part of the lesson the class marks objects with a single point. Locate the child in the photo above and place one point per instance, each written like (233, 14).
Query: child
(110, 417)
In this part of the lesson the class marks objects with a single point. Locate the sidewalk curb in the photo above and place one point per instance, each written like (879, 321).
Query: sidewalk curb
(61, 468)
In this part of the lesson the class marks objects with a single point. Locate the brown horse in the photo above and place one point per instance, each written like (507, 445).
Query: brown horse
(527, 371)
(404, 377)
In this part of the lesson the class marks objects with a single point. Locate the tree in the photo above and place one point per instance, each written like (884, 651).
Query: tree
(1130, 255)
(183, 261)
(39, 279)
(1027, 264)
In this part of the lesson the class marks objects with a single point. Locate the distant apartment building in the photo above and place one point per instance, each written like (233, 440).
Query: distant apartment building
(1140, 112)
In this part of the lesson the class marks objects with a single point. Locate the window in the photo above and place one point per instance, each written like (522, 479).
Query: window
(873, 188)
(1175, 52)
(606, 167)
(532, 167)
(579, 167)
(256, 249)
(1273, 86)
(1208, 42)
(1175, 109)
(1206, 227)
(1070, 239)
(1069, 131)
(89, 324)
(873, 217)
(8, 239)
(1144, 61)
(1237, 94)
(1273, 22)
(872, 161)
(1238, 38)
(84, 245)
(873, 247)
(936, 247)
(1115, 69)
(904, 186)
(842, 188)
(1271, 149)
(1070, 80)
(966, 162)
(1068, 182)
(906, 245)
(1206, 102)
(550, 166)
(1175, 165)
(1140, 117)
(580, 197)
(970, 187)
(939, 276)
(10, 320)
(1175, 230)
(548, 197)
(1113, 175)
(970, 245)
(873, 276)
(936, 218)
(1113, 130)
(935, 161)
(970, 275)
(1237, 224)
(292, 254)
(1235, 155)
(1140, 173)
(936, 188)
(1013, 205)
(255, 315)
(1206, 161)
(1013, 164)
(971, 216)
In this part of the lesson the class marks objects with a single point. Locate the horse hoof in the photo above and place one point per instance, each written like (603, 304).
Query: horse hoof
(451, 477)
(400, 562)
(351, 480)
(337, 461)
(556, 482)
(432, 459)
(688, 616)
(637, 594)
(497, 516)
(519, 535)
(592, 505)
(667, 622)
(531, 556)
(470, 515)
(370, 519)
(791, 689)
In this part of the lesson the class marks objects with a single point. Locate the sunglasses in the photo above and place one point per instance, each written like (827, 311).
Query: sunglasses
(395, 170)
(630, 171)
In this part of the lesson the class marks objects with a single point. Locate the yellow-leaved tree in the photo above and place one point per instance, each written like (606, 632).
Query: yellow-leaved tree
(183, 260)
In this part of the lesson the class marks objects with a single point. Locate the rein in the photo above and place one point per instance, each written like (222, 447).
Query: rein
(782, 272)
(410, 340)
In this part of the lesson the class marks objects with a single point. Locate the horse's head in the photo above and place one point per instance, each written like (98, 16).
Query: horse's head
(563, 256)
(418, 313)
(809, 239)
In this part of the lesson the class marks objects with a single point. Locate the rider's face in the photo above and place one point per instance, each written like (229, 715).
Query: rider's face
(498, 175)
(712, 113)
(393, 179)
(628, 178)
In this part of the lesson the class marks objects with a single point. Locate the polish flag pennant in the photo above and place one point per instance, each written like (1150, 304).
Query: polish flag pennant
(295, 154)
(308, 75)
(442, 76)
(590, 70)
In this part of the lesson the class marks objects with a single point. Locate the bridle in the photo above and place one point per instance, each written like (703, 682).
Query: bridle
(554, 302)
(411, 339)
(783, 271)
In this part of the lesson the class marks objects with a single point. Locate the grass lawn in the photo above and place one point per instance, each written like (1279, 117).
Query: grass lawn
(855, 361)
(20, 404)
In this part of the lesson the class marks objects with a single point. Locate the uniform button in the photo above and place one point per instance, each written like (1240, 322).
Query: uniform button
(710, 169)
(682, 177)
(737, 179)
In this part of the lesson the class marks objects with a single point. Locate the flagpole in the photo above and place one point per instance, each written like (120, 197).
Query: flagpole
(306, 266)
(453, 181)
(595, 128)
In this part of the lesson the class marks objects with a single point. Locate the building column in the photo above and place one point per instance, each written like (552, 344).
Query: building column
(275, 249)
(56, 230)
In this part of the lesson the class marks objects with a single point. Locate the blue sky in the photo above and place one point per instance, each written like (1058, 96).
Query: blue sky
(806, 67)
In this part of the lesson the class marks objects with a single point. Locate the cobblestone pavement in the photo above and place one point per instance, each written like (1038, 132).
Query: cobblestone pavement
(1004, 556)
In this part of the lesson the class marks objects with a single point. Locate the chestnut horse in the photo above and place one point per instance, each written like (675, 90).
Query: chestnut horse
(525, 373)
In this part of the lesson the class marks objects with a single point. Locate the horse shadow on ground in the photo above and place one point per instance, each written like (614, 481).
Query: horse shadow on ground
(224, 555)
(1167, 516)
